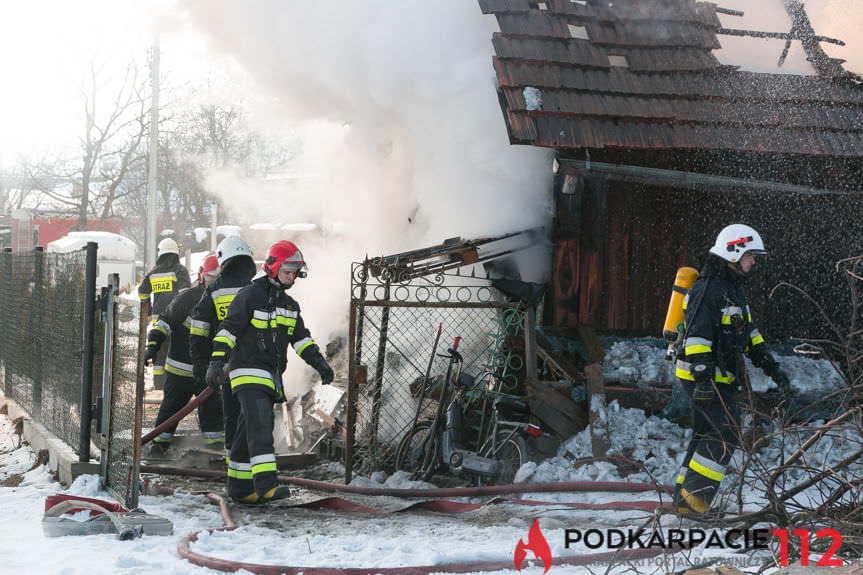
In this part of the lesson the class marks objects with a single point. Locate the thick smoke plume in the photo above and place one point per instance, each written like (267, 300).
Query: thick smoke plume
(403, 143)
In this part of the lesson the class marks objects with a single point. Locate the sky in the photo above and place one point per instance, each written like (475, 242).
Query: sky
(303, 537)
(838, 19)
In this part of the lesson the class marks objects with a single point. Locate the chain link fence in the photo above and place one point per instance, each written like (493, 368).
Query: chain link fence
(41, 348)
(394, 327)
(43, 302)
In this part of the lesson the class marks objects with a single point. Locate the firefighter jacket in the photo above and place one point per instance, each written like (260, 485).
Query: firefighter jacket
(166, 278)
(719, 329)
(262, 322)
(174, 321)
(213, 307)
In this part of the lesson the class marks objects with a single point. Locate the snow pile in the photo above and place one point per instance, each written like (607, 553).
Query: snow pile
(532, 98)
(649, 441)
(639, 361)
(643, 449)
(643, 362)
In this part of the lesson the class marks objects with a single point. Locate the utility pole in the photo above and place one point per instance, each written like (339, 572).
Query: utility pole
(214, 221)
(150, 234)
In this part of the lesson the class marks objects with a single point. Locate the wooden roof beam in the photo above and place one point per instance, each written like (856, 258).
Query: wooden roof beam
(801, 28)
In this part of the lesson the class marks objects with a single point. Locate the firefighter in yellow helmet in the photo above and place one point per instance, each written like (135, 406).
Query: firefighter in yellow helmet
(262, 322)
(159, 287)
(718, 331)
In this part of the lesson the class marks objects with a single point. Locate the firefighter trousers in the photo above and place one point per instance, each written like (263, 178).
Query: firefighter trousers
(230, 414)
(715, 437)
(252, 464)
(160, 376)
(178, 391)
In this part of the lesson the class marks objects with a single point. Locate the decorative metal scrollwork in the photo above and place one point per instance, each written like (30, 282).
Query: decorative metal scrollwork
(378, 283)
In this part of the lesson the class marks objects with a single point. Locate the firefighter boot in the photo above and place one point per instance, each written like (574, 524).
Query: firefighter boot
(279, 492)
(158, 449)
(251, 498)
(688, 502)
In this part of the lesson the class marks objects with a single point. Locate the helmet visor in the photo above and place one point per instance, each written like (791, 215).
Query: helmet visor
(292, 266)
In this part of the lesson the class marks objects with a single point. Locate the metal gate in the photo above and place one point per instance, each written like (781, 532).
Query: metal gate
(122, 393)
(394, 320)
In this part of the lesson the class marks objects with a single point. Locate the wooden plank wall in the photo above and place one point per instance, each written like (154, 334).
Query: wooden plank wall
(618, 246)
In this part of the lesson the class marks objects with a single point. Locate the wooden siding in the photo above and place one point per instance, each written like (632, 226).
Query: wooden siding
(615, 261)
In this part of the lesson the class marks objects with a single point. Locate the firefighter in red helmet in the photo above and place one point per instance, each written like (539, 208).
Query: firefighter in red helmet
(262, 322)
(180, 384)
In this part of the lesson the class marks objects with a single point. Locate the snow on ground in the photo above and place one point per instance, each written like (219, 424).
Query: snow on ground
(297, 536)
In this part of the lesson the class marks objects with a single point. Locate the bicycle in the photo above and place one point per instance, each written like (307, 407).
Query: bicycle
(437, 444)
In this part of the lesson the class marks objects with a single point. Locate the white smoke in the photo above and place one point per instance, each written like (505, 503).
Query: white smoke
(403, 140)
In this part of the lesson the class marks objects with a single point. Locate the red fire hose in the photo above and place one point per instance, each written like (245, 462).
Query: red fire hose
(171, 421)
(184, 550)
(604, 486)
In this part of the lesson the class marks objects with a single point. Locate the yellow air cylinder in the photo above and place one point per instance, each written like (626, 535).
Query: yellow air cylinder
(686, 276)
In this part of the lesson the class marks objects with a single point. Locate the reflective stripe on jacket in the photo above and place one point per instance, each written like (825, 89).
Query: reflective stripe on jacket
(718, 328)
(163, 283)
(261, 323)
(174, 321)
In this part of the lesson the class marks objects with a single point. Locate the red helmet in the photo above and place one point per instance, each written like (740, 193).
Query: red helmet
(287, 254)
(209, 267)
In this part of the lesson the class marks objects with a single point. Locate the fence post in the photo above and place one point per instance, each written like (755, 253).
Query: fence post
(87, 360)
(109, 320)
(38, 332)
(379, 380)
(5, 284)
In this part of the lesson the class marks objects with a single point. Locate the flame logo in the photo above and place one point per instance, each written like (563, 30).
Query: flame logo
(535, 542)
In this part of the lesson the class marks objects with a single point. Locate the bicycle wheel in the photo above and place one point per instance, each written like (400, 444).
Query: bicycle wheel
(409, 453)
(511, 451)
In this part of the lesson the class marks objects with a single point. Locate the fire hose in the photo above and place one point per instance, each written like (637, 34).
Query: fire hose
(174, 419)
(582, 486)
(185, 551)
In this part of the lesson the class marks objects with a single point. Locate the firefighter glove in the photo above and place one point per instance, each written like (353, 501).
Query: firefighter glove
(199, 372)
(216, 374)
(324, 369)
(704, 392)
(150, 354)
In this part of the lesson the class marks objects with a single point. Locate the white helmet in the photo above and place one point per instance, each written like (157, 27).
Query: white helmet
(167, 246)
(230, 247)
(735, 240)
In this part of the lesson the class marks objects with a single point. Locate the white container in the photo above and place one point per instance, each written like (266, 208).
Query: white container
(115, 254)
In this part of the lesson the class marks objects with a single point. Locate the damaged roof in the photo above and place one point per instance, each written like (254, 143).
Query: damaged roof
(641, 74)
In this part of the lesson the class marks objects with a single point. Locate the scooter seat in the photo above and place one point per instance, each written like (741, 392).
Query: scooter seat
(511, 408)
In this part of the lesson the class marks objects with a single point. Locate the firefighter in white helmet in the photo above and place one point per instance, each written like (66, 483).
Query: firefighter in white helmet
(262, 322)
(159, 287)
(718, 331)
(236, 269)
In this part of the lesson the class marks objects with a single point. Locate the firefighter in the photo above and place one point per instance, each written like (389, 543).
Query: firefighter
(163, 282)
(236, 269)
(180, 385)
(718, 331)
(261, 323)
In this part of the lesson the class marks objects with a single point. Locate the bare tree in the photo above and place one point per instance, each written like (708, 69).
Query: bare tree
(38, 184)
(205, 138)
(111, 142)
